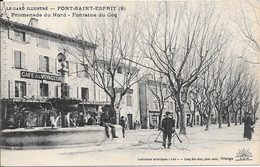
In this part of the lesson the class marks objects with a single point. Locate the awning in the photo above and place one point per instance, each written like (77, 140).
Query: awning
(97, 103)
(23, 100)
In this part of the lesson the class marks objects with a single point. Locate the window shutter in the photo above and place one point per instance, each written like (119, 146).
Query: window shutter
(51, 64)
(56, 90)
(23, 60)
(50, 93)
(17, 59)
(10, 34)
(56, 65)
(12, 89)
(41, 63)
(27, 38)
(27, 88)
(80, 70)
(77, 92)
(59, 91)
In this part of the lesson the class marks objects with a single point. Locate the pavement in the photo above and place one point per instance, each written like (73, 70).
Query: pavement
(225, 146)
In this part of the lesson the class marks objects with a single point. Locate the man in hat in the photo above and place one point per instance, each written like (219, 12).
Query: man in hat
(122, 123)
(106, 121)
(167, 127)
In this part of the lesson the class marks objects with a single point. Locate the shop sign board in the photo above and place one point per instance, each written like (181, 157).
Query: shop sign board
(40, 76)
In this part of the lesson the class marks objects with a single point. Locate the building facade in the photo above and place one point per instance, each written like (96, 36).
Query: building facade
(149, 106)
(29, 72)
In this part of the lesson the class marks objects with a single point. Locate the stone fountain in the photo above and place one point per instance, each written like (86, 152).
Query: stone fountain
(62, 135)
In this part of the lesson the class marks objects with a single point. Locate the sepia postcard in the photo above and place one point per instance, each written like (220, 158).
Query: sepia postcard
(116, 83)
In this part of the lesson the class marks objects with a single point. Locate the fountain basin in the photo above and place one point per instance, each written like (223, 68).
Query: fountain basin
(23, 138)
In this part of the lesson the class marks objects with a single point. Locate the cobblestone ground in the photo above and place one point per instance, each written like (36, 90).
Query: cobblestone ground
(216, 146)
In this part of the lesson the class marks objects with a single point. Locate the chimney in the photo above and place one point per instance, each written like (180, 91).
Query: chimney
(33, 22)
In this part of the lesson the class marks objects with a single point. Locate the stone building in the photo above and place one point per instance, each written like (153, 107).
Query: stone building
(149, 107)
(29, 73)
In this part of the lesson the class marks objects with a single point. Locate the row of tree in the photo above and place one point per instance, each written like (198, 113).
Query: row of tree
(187, 46)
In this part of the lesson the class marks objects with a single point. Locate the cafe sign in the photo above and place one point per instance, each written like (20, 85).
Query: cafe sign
(40, 76)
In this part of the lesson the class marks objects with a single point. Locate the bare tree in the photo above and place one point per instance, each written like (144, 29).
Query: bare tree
(208, 90)
(220, 88)
(160, 90)
(248, 21)
(182, 40)
(115, 39)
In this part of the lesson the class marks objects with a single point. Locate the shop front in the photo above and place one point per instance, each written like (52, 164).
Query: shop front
(94, 108)
(20, 113)
(154, 119)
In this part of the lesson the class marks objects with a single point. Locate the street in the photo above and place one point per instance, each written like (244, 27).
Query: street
(213, 147)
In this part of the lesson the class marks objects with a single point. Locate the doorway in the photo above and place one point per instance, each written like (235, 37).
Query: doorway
(129, 120)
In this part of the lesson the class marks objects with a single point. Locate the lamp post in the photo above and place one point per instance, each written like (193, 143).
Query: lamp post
(64, 85)
(64, 76)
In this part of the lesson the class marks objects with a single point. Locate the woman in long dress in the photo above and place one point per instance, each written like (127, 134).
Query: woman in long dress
(248, 126)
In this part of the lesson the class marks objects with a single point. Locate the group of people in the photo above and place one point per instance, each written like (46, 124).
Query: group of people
(168, 127)
(107, 123)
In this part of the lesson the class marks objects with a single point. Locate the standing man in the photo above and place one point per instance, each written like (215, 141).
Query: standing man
(106, 121)
(135, 124)
(122, 123)
(167, 126)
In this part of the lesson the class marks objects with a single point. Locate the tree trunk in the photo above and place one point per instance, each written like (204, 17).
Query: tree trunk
(240, 119)
(220, 118)
(201, 120)
(208, 121)
(182, 121)
(235, 118)
(228, 118)
(178, 120)
(209, 117)
(113, 113)
(160, 120)
(192, 119)
(182, 115)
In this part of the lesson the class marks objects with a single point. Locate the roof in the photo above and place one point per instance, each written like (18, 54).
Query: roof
(8, 23)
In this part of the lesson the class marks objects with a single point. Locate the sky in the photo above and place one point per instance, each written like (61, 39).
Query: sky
(63, 17)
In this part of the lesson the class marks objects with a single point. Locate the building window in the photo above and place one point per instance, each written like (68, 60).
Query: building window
(82, 70)
(56, 90)
(119, 70)
(19, 36)
(19, 59)
(43, 42)
(128, 100)
(84, 93)
(44, 64)
(20, 89)
(44, 90)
